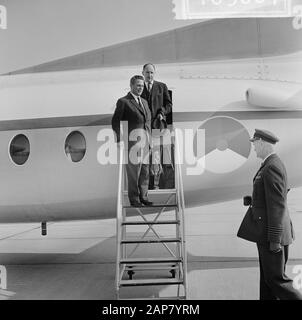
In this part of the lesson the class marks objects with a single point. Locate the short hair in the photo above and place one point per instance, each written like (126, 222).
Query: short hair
(148, 64)
(136, 77)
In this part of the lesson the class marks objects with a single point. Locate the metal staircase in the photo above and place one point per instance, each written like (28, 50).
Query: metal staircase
(157, 260)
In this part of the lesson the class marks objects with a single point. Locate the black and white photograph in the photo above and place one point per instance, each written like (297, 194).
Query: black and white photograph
(150, 150)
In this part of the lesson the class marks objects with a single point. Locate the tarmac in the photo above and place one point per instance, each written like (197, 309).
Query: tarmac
(76, 260)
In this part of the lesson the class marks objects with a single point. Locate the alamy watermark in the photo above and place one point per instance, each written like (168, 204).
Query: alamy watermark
(297, 281)
(190, 152)
(204, 147)
(3, 17)
(3, 278)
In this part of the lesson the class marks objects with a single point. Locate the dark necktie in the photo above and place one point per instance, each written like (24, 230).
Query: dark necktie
(141, 105)
(149, 86)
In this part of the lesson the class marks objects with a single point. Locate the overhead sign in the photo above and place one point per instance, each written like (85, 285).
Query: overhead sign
(3, 17)
(208, 9)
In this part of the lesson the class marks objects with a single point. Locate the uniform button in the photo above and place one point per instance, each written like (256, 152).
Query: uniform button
(259, 218)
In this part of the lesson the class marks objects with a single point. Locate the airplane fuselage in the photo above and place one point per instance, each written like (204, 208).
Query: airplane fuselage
(46, 108)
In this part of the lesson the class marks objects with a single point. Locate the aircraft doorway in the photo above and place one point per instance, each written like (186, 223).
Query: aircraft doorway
(162, 173)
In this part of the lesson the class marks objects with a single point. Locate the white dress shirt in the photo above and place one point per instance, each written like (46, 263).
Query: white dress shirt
(147, 85)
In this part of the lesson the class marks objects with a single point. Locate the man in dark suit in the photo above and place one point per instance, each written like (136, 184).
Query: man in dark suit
(270, 225)
(156, 93)
(160, 104)
(135, 111)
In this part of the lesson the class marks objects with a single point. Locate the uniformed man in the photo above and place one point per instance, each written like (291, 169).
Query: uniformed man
(268, 222)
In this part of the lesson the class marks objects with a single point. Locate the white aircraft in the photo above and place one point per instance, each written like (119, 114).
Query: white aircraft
(227, 76)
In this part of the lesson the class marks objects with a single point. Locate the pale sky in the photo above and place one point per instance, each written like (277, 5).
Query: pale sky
(42, 30)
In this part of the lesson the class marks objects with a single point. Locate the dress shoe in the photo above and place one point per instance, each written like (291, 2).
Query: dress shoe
(135, 203)
(146, 202)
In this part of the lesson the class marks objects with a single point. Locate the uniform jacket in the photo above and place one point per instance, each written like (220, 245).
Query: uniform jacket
(127, 109)
(159, 99)
(269, 213)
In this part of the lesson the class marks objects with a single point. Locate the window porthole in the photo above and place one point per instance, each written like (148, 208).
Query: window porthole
(75, 146)
(19, 149)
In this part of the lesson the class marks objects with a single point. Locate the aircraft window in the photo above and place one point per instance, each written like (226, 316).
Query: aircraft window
(19, 149)
(75, 146)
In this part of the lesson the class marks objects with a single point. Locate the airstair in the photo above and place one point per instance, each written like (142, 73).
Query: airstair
(151, 248)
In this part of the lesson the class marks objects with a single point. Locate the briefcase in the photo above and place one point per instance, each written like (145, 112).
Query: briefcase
(159, 124)
(250, 229)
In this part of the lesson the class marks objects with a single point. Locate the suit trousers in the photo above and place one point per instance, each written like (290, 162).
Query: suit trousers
(274, 283)
(138, 175)
(138, 181)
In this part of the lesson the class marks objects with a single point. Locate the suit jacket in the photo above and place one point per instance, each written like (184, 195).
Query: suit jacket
(127, 109)
(269, 213)
(159, 99)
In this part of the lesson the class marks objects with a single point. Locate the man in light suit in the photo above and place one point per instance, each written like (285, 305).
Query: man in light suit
(160, 104)
(270, 225)
(134, 109)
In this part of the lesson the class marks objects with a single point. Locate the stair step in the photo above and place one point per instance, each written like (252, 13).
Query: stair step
(133, 223)
(160, 240)
(151, 268)
(149, 282)
(153, 206)
(149, 260)
(158, 191)
(157, 298)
